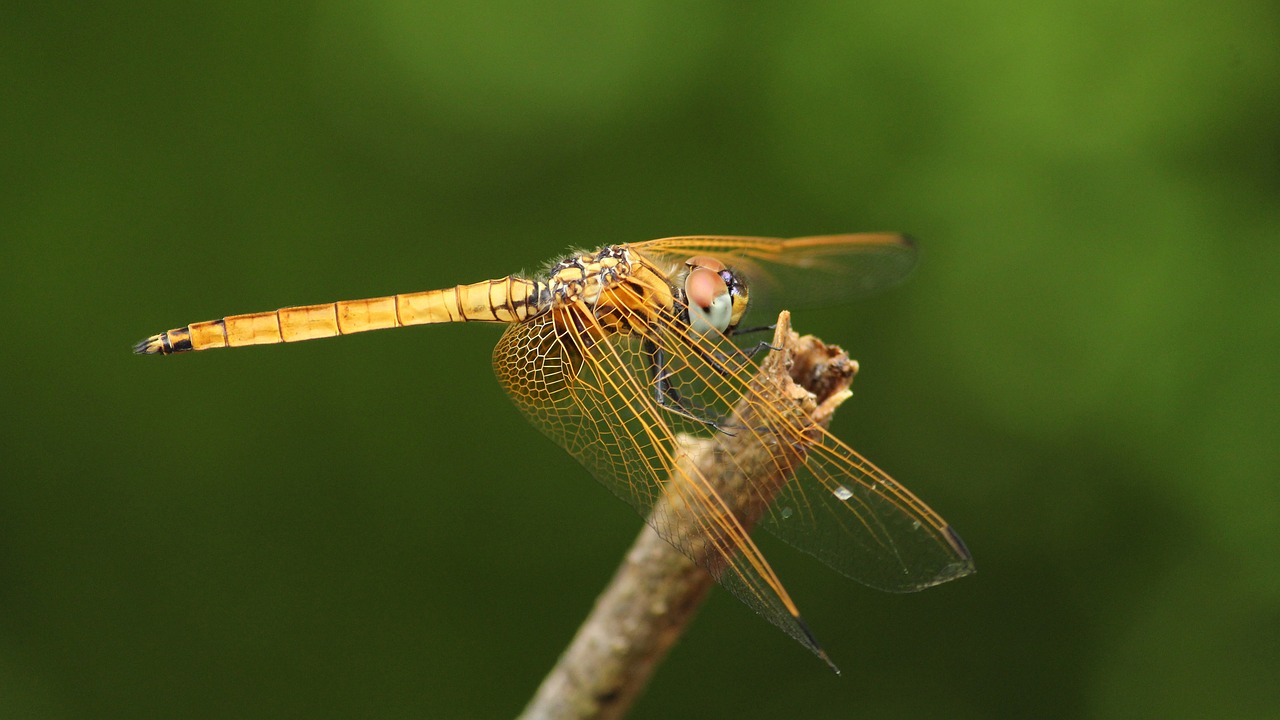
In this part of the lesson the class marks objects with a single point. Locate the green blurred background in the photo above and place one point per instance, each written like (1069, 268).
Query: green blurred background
(1079, 376)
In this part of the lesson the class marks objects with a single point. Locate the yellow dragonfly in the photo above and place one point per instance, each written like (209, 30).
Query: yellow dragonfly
(615, 353)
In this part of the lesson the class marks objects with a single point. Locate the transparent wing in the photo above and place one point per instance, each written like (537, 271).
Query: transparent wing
(803, 272)
(836, 506)
(591, 392)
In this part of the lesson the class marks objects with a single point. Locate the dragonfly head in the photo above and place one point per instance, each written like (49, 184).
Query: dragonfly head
(716, 296)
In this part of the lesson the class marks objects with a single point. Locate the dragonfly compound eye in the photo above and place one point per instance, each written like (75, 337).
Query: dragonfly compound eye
(710, 304)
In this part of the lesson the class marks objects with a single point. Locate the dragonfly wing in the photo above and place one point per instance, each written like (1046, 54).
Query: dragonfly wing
(805, 271)
(835, 505)
(857, 520)
(593, 394)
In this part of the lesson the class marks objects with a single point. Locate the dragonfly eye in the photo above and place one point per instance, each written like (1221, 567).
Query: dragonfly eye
(710, 304)
(738, 292)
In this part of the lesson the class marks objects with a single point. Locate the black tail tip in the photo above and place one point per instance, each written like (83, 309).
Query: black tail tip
(153, 345)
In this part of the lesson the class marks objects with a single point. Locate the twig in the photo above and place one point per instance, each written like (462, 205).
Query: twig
(657, 590)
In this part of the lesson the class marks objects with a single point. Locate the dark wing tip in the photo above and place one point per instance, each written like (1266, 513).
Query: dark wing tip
(807, 639)
(958, 544)
(964, 559)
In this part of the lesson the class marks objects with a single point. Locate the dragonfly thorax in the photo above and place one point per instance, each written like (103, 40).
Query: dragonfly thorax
(584, 277)
(621, 292)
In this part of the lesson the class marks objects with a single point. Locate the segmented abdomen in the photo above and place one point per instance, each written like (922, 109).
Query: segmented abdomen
(508, 299)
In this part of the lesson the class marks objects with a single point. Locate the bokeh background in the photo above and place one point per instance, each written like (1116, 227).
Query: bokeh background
(1080, 375)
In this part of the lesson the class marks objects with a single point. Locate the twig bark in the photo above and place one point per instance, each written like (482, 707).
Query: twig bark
(657, 590)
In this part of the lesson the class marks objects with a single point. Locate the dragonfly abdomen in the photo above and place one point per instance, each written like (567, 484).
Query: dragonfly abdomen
(508, 300)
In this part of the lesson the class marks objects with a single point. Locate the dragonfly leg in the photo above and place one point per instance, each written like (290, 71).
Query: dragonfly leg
(718, 360)
(762, 346)
(758, 328)
(668, 396)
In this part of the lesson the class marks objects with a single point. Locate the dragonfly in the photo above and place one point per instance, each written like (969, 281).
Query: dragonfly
(618, 353)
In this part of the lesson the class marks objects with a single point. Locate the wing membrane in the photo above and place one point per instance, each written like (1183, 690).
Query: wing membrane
(836, 506)
(608, 418)
(806, 271)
